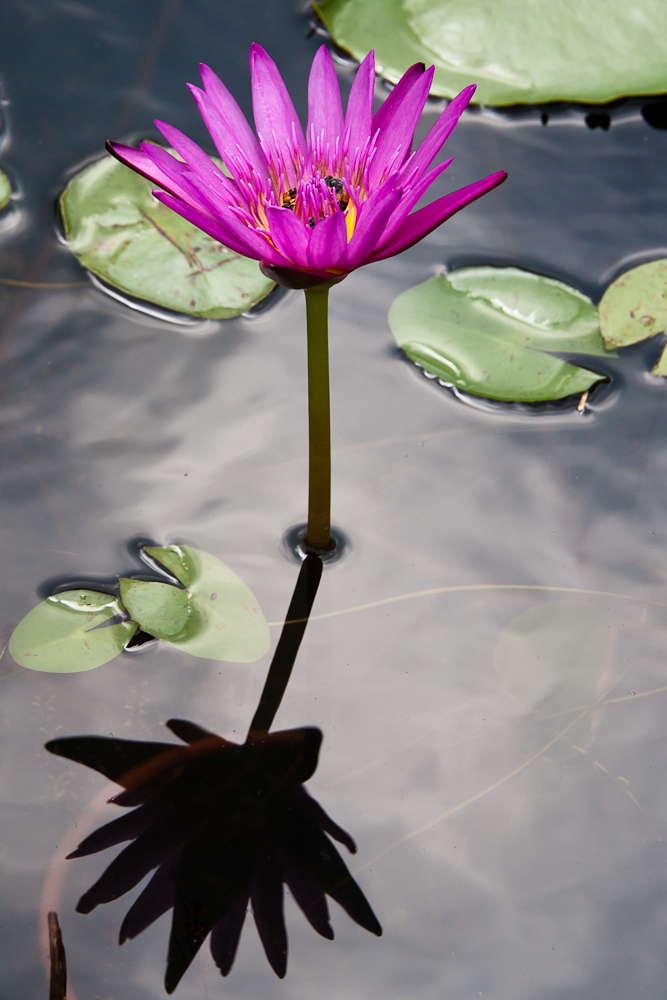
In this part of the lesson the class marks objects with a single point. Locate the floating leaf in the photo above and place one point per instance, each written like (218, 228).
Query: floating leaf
(225, 621)
(634, 307)
(485, 330)
(160, 609)
(61, 635)
(5, 190)
(516, 52)
(119, 231)
(551, 657)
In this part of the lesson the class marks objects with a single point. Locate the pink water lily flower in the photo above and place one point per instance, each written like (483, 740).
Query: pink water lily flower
(311, 208)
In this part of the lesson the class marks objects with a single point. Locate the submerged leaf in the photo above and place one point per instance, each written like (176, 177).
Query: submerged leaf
(160, 609)
(516, 52)
(485, 330)
(634, 307)
(551, 657)
(5, 190)
(61, 635)
(119, 231)
(225, 620)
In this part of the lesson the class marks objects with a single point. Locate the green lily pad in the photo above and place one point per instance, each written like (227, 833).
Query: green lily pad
(160, 609)
(120, 232)
(61, 636)
(634, 307)
(485, 330)
(516, 52)
(225, 620)
(5, 190)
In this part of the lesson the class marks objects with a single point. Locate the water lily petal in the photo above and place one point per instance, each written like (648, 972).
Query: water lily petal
(410, 199)
(235, 121)
(289, 234)
(327, 242)
(397, 126)
(359, 114)
(372, 219)
(140, 161)
(228, 231)
(325, 110)
(178, 174)
(234, 158)
(209, 197)
(440, 132)
(421, 223)
(382, 117)
(195, 157)
(276, 121)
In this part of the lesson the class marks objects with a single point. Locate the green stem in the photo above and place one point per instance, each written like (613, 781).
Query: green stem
(318, 535)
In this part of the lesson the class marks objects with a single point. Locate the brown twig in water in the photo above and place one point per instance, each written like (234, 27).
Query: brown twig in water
(58, 977)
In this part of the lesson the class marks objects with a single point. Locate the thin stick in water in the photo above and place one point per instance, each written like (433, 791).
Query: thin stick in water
(58, 977)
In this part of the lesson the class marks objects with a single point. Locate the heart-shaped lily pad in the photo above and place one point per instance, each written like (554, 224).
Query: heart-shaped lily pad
(62, 634)
(159, 608)
(516, 52)
(225, 620)
(634, 307)
(121, 233)
(485, 330)
(5, 190)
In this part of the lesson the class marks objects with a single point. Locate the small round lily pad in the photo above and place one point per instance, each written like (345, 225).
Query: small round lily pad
(120, 232)
(516, 52)
(486, 330)
(634, 307)
(159, 608)
(5, 190)
(69, 632)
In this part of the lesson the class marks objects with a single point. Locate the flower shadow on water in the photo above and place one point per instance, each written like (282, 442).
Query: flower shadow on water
(224, 825)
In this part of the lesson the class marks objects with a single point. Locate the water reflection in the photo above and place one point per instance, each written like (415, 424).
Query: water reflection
(224, 825)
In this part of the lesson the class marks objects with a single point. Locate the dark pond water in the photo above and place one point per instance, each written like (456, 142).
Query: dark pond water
(507, 853)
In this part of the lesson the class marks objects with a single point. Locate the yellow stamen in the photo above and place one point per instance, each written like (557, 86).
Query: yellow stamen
(351, 219)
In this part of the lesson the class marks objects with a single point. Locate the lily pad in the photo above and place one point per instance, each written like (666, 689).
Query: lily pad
(61, 635)
(485, 330)
(225, 621)
(634, 307)
(516, 52)
(120, 232)
(5, 190)
(159, 608)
